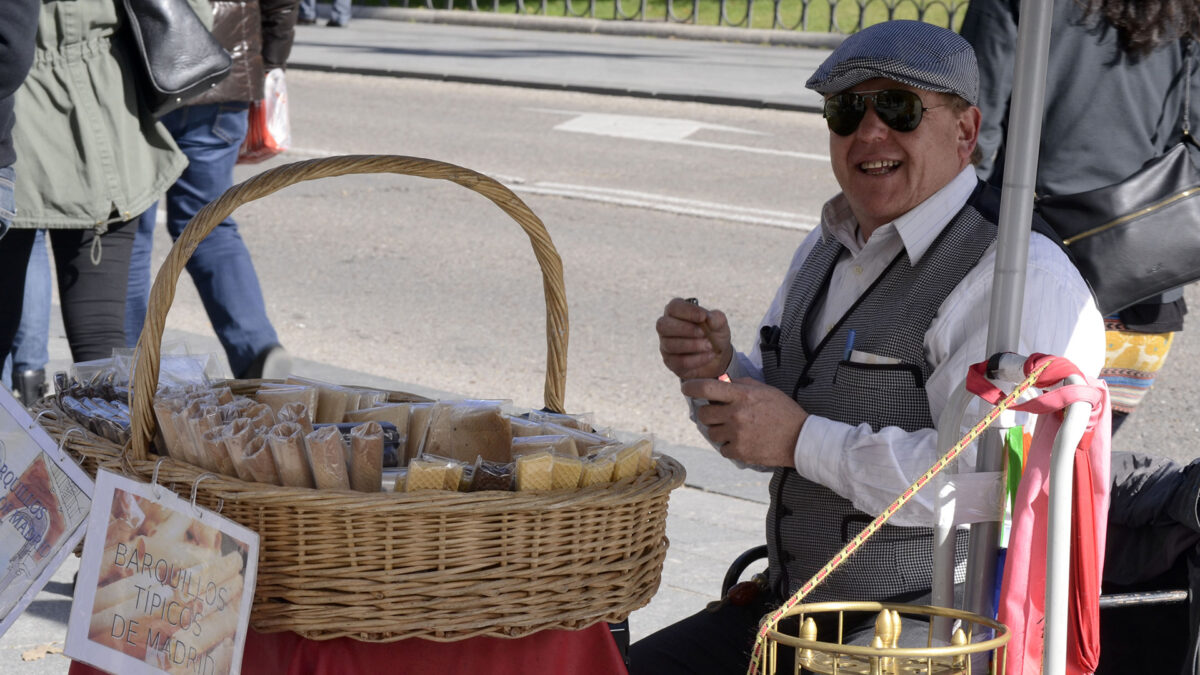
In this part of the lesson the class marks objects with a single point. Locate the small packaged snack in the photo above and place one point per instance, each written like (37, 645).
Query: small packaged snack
(396, 413)
(464, 430)
(369, 398)
(565, 472)
(586, 442)
(366, 457)
(491, 476)
(260, 462)
(432, 473)
(581, 421)
(261, 416)
(332, 400)
(237, 436)
(535, 471)
(327, 458)
(597, 470)
(277, 395)
(295, 411)
(418, 424)
(560, 444)
(523, 426)
(286, 440)
(213, 447)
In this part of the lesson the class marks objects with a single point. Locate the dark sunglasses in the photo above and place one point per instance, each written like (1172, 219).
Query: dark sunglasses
(900, 109)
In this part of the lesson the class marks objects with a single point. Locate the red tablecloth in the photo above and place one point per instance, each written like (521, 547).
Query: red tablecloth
(590, 651)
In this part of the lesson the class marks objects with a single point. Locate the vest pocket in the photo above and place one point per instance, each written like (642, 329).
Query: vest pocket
(876, 375)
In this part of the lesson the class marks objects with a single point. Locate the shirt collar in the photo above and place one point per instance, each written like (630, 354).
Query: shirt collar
(917, 229)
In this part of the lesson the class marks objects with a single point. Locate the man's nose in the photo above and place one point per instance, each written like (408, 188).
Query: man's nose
(871, 127)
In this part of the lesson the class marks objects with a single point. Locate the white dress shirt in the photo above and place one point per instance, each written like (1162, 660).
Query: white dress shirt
(872, 468)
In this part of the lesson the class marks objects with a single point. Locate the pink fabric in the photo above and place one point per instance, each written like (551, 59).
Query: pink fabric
(1023, 588)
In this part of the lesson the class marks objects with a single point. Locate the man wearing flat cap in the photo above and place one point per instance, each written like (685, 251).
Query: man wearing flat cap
(883, 309)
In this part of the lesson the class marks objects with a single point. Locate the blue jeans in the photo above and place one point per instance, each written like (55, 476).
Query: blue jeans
(339, 13)
(30, 349)
(221, 268)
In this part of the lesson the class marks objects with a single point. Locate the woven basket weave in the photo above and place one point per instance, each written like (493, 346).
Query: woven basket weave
(437, 565)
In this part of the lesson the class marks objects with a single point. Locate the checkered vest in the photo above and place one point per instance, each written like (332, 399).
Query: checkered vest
(807, 523)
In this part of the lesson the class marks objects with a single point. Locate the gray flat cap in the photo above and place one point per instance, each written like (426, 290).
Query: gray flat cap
(913, 52)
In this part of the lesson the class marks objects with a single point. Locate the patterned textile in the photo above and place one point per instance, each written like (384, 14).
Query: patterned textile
(915, 53)
(808, 523)
(1132, 363)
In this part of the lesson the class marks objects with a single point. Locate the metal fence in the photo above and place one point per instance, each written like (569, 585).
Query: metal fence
(832, 16)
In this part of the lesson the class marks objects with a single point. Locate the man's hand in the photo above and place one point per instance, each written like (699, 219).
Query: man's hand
(694, 342)
(752, 422)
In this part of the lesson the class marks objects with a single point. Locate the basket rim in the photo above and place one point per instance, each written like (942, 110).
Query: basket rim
(162, 293)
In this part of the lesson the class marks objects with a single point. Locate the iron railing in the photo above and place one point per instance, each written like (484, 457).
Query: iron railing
(831, 16)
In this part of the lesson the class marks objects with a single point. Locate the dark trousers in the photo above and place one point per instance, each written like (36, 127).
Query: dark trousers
(91, 294)
(720, 642)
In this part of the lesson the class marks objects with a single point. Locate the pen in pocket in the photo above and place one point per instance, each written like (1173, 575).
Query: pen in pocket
(849, 345)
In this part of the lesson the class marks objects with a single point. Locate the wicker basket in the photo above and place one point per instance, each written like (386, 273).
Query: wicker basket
(438, 565)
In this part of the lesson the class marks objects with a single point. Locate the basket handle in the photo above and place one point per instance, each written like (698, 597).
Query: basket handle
(162, 294)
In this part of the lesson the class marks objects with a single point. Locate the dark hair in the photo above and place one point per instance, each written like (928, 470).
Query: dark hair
(1143, 25)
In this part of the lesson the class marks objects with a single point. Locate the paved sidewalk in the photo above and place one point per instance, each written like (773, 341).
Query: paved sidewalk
(648, 61)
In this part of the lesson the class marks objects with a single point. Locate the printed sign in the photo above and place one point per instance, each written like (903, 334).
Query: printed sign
(44, 503)
(164, 586)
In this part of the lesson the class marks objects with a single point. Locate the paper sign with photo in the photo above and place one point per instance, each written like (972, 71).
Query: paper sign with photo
(164, 586)
(44, 502)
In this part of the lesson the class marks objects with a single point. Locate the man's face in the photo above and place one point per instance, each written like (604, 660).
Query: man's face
(886, 173)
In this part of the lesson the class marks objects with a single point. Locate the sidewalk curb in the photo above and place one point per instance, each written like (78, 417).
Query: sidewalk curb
(567, 24)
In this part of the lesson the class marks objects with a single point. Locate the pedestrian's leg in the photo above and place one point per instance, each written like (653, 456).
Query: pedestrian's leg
(221, 267)
(15, 246)
(339, 15)
(30, 351)
(138, 294)
(1131, 365)
(92, 280)
(308, 12)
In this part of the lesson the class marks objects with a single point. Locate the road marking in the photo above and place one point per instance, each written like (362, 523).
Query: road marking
(636, 199)
(662, 130)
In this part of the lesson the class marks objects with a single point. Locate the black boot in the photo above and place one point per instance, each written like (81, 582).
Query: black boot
(30, 385)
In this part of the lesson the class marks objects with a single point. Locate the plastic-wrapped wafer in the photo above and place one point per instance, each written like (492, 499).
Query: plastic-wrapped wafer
(466, 430)
(586, 442)
(560, 444)
(224, 395)
(426, 473)
(297, 412)
(332, 400)
(418, 424)
(260, 461)
(581, 422)
(597, 470)
(396, 413)
(213, 447)
(237, 437)
(278, 395)
(261, 416)
(164, 408)
(565, 472)
(535, 471)
(522, 426)
(291, 460)
(366, 457)
(627, 458)
(369, 398)
(327, 458)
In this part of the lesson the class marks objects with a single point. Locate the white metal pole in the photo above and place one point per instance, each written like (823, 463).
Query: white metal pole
(1008, 291)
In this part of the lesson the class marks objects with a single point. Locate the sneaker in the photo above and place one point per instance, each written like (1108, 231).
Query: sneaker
(336, 24)
(302, 21)
(273, 363)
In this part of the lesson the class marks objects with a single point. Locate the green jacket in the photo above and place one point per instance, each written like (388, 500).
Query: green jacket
(87, 156)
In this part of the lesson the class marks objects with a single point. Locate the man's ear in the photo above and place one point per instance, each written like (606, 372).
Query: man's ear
(968, 133)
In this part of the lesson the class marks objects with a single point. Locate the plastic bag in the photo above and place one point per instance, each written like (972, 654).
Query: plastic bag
(269, 129)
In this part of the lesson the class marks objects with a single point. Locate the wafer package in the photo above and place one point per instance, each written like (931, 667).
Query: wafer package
(428, 472)
(566, 472)
(597, 470)
(560, 444)
(465, 430)
(327, 458)
(295, 411)
(278, 395)
(535, 471)
(366, 457)
(491, 475)
(291, 459)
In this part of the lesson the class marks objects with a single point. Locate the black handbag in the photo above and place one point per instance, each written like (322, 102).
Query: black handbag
(177, 56)
(1140, 237)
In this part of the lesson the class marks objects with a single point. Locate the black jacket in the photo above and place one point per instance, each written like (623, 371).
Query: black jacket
(258, 34)
(17, 31)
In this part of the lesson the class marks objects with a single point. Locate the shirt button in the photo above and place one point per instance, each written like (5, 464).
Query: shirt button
(858, 269)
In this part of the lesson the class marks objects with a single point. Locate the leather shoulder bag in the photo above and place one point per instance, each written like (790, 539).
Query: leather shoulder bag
(1140, 237)
(178, 58)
